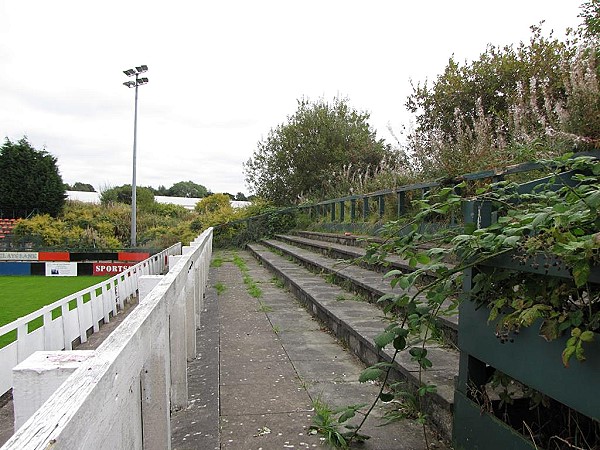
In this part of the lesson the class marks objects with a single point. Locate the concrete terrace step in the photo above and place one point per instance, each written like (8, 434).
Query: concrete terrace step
(348, 250)
(364, 281)
(357, 323)
(355, 240)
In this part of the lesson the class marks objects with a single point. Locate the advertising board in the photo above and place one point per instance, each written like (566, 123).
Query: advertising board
(61, 269)
(110, 268)
(18, 256)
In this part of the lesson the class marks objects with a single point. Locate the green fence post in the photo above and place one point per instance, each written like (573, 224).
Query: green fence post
(365, 208)
(401, 203)
(332, 206)
(353, 210)
(342, 212)
(381, 204)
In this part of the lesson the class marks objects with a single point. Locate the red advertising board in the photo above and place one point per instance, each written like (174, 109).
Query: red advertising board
(54, 256)
(133, 256)
(110, 268)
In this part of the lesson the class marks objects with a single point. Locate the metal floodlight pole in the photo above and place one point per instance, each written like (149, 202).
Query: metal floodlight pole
(138, 82)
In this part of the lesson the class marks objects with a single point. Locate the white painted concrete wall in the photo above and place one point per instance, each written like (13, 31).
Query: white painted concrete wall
(39, 376)
(59, 333)
(121, 397)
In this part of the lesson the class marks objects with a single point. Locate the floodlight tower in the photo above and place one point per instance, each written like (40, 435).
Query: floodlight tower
(134, 84)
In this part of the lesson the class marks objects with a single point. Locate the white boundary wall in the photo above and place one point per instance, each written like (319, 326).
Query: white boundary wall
(121, 398)
(105, 299)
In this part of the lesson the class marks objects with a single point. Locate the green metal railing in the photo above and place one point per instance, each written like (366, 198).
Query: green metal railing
(368, 211)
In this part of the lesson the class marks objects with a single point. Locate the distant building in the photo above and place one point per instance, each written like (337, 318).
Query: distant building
(186, 202)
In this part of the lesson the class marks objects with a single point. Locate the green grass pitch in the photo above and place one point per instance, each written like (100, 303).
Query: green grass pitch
(21, 295)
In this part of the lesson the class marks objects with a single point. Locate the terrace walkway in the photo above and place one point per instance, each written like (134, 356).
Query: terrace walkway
(262, 362)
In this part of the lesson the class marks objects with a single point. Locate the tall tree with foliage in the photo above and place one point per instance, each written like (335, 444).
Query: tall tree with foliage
(298, 157)
(187, 189)
(122, 194)
(29, 180)
(81, 187)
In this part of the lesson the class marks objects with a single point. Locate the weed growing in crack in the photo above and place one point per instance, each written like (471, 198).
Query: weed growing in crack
(220, 288)
(263, 307)
(251, 285)
(329, 423)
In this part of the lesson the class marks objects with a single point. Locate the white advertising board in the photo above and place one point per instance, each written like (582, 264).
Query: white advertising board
(18, 256)
(61, 269)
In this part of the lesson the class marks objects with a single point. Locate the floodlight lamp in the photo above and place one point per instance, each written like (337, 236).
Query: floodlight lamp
(129, 84)
(143, 80)
(141, 69)
(129, 72)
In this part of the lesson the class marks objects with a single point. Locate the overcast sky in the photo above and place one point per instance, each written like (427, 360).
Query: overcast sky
(223, 73)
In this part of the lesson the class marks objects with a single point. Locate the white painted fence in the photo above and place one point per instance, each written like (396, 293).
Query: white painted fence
(80, 312)
(121, 397)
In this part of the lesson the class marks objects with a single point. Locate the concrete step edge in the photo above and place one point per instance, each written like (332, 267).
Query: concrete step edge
(323, 306)
(449, 326)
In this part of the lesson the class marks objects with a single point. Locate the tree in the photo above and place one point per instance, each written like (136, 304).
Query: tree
(162, 190)
(213, 203)
(29, 180)
(187, 189)
(122, 194)
(240, 197)
(83, 187)
(298, 157)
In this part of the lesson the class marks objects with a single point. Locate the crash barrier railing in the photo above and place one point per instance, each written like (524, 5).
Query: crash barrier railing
(71, 319)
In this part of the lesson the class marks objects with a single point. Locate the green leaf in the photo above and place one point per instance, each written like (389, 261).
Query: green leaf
(581, 272)
(587, 336)
(348, 414)
(566, 355)
(418, 352)
(549, 329)
(386, 397)
(393, 273)
(370, 374)
(470, 228)
(579, 354)
(426, 389)
(593, 199)
(386, 297)
(425, 363)
(399, 343)
(511, 241)
(384, 339)
(404, 282)
(423, 258)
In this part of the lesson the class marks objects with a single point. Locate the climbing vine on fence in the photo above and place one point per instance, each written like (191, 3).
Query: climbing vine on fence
(556, 220)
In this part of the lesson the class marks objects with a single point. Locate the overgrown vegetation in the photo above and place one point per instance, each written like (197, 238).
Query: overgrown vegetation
(105, 227)
(556, 223)
(513, 104)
